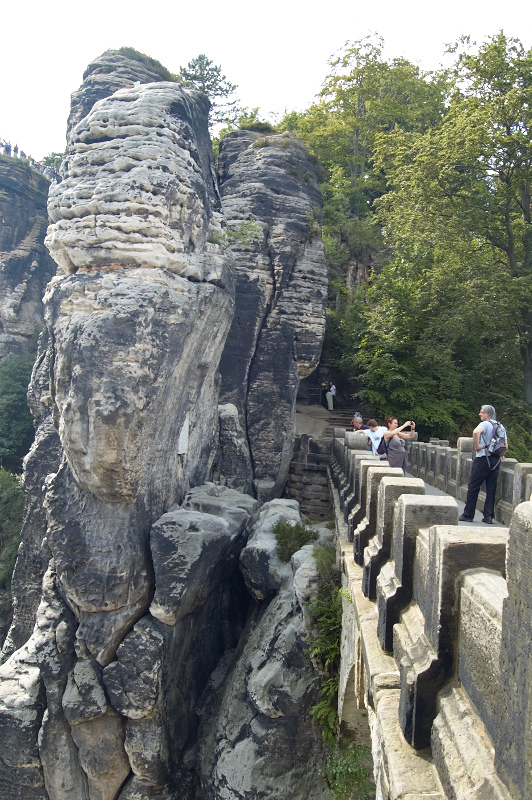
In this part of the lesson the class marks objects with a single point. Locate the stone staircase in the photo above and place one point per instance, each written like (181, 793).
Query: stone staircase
(339, 418)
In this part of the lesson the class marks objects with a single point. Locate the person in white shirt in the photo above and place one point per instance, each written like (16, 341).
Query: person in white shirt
(375, 433)
(330, 394)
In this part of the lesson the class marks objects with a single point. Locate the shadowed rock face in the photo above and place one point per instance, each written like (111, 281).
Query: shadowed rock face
(281, 285)
(256, 737)
(25, 265)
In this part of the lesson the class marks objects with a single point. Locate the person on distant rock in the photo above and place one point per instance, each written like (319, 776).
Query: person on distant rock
(375, 433)
(395, 438)
(486, 465)
(330, 395)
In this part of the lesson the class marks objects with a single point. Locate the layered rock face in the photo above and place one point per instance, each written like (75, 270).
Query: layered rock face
(131, 383)
(25, 265)
(103, 77)
(281, 288)
(129, 374)
(153, 610)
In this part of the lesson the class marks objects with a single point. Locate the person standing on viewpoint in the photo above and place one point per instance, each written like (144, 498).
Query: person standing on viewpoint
(395, 441)
(375, 433)
(485, 467)
(330, 394)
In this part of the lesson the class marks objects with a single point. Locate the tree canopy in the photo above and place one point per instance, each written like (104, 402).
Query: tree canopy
(201, 73)
(427, 229)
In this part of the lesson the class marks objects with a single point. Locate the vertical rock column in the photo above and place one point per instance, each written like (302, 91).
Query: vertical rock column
(136, 321)
(281, 290)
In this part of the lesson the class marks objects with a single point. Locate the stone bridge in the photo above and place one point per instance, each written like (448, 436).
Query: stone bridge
(437, 628)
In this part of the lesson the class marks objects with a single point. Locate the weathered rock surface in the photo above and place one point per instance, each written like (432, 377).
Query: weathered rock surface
(43, 458)
(127, 384)
(25, 265)
(232, 466)
(257, 737)
(281, 286)
(145, 597)
(198, 612)
(103, 77)
(139, 187)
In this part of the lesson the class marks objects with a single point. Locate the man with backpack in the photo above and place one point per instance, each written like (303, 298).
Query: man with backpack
(489, 446)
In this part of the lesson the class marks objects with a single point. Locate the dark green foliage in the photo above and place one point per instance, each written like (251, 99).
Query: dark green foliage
(346, 771)
(326, 611)
(428, 241)
(201, 73)
(148, 61)
(291, 537)
(346, 766)
(11, 508)
(53, 160)
(16, 422)
(259, 127)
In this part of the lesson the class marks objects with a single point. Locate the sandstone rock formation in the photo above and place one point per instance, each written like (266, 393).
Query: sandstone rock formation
(129, 366)
(103, 77)
(281, 286)
(25, 265)
(257, 738)
(146, 602)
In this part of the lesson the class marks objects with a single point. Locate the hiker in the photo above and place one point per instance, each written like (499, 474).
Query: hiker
(358, 423)
(394, 439)
(330, 394)
(375, 433)
(490, 444)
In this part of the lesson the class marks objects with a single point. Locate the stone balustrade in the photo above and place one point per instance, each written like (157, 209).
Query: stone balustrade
(437, 628)
(449, 468)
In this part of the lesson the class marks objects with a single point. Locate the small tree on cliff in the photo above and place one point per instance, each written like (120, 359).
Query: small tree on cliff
(201, 73)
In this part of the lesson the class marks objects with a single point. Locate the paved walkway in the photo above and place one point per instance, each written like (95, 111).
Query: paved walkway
(477, 522)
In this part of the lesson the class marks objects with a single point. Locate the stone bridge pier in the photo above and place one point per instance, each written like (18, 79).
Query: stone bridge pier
(437, 628)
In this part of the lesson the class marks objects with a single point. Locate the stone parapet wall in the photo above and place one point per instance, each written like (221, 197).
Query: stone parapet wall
(449, 468)
(307, 478)
(436, 628)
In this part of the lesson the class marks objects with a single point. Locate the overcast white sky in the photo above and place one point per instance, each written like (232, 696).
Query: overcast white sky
(276, 51)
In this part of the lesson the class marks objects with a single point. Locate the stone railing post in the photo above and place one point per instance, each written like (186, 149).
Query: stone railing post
(513, 745)
(396, 581)
(378, 549)
(425, 639)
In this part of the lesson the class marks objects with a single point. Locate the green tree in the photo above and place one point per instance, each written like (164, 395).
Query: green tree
(11, 508)
(201, 73)
(363, 95)
(466, 188)
(16, 422)
(53, 160)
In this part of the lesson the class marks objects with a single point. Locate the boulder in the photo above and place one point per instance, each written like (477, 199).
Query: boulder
(256, 733)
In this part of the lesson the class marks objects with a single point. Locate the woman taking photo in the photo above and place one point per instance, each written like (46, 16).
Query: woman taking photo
(395, 441)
